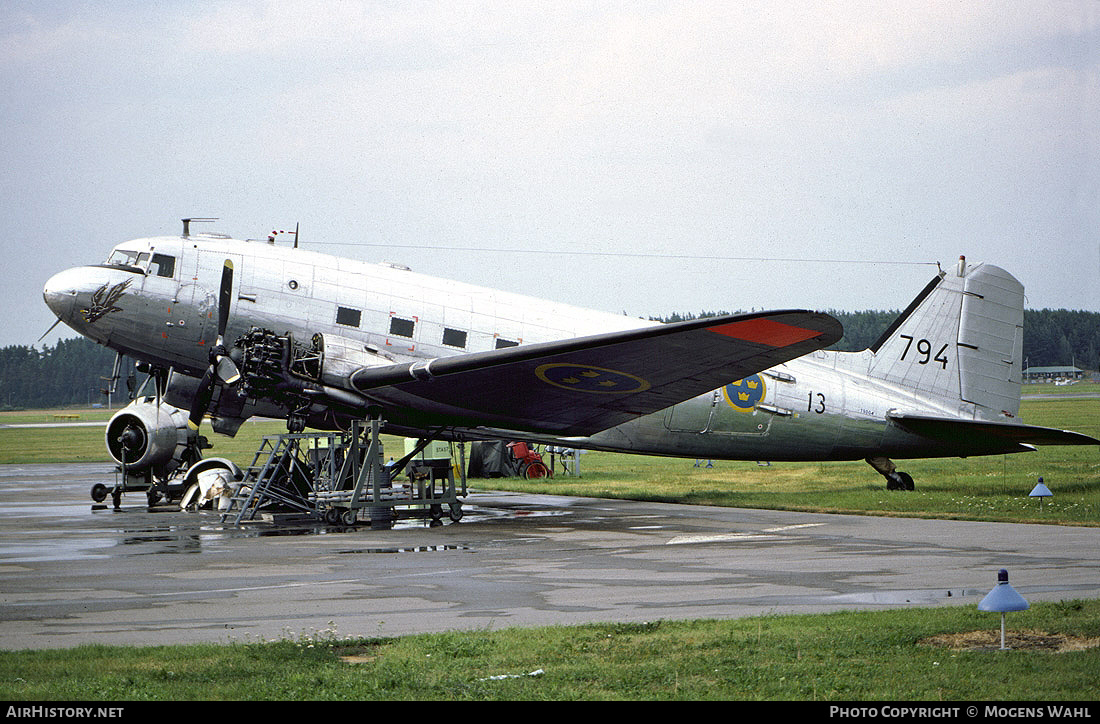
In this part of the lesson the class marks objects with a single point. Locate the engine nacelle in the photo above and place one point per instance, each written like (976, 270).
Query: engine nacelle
(340, 356)
(278, 367)
(144, 435)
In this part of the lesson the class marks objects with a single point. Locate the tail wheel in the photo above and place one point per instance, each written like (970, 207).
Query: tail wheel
(535, 471)
(899, 481)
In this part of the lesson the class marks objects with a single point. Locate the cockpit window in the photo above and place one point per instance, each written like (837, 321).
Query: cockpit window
(163, 265)
(123, 257)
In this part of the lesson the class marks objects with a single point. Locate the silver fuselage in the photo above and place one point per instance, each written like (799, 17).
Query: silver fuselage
(157, 301)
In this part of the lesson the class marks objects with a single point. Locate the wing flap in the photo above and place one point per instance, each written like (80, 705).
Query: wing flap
(583, 385)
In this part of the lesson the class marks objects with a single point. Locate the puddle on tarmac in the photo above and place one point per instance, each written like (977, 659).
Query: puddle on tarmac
(48, 516)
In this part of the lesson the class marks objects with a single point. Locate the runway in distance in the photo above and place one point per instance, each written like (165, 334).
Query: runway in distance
(229, 329)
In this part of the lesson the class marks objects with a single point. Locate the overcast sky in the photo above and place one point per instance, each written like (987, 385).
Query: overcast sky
(675, 156)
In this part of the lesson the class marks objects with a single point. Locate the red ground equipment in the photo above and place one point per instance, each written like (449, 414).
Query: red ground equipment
(530, 461)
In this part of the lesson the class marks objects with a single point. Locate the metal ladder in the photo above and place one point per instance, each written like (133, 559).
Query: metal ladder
(275, 480)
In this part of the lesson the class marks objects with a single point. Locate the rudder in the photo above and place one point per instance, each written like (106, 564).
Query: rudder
(960, 343)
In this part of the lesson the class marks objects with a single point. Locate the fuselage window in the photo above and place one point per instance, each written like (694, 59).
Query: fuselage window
(502, 343)
(402, 327)
(163, 266)
(348, 317)
(454, 338)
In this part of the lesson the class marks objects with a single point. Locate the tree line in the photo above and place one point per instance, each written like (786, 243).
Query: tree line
(71, 372)
(66, 374)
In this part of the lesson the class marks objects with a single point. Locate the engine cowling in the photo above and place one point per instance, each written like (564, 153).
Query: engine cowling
(146, 435)
(340, 356)
(278, 367)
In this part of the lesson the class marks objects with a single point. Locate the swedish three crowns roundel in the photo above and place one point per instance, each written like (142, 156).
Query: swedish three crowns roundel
(746, 393)
(587, 378)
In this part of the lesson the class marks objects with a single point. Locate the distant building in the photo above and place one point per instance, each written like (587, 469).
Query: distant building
(1048, 374)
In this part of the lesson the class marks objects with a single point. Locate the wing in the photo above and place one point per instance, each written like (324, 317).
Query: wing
(996, 437)
(583, 385)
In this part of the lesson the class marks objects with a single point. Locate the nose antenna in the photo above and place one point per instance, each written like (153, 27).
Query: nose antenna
(49, 330)
(187, 224)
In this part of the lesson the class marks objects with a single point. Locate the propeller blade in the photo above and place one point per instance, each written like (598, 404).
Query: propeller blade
(203, 395)
(225, 298)
(227, 370)
(222, 369)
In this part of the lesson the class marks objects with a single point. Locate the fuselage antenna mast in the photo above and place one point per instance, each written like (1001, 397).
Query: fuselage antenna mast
(187, 224)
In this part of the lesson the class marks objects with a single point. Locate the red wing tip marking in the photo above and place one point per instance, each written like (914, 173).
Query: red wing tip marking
(765, 331)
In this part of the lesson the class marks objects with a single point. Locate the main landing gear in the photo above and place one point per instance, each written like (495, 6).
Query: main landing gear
(895, 479)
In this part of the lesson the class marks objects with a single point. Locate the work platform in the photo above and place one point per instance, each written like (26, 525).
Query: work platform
(343, 478)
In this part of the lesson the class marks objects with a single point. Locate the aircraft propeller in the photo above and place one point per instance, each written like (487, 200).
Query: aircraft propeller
(222, 369)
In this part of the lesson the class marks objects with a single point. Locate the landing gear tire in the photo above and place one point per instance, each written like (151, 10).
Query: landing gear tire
(332, 516)
(99, 492)
(899, 481)
(349, 517)
(456, 512)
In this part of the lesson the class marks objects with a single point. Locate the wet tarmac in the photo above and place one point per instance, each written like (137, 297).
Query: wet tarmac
(71, 574)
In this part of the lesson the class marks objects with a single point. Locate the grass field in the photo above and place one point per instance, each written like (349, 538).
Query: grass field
(926, 654)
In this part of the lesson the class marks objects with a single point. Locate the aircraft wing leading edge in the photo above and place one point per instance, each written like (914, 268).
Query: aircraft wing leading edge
(583, 385)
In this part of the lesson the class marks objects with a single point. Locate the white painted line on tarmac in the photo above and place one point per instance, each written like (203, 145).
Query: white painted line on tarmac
(767, 534)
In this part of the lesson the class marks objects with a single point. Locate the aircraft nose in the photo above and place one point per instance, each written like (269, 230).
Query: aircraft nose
(60, 292)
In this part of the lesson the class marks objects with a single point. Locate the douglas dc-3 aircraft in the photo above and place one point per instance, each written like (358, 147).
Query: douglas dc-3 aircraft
(232, 329)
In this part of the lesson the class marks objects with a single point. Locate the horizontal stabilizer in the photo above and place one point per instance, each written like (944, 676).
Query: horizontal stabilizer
(1009, 436)
(582, 385)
